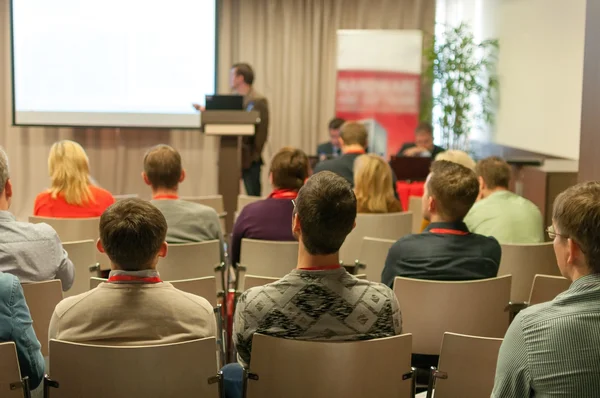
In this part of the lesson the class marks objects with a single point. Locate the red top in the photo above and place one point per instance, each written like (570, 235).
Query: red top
(45, 206)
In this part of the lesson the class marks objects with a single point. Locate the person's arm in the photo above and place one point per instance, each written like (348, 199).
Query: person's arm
(389, 270)
(402, 149)
(512, 371)
(242, 336)
(262, 129)
(65, 270)
(29, 350)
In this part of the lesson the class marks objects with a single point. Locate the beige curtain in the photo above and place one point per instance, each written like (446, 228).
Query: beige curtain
(291, 45)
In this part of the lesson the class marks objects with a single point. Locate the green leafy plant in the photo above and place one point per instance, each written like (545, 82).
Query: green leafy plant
(462, 73)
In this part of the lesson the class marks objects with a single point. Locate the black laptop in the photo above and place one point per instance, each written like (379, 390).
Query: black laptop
(224, 103)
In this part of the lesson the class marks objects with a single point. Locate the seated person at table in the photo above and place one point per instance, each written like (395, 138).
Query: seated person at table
(31, 252)
(553, 349)
(16, 326)
(331, 148)
(373, 186)
(423, 145)
(71, 194)
(499, 212)
(322, 302)
(446, 250)
(187, 221)
(134, 307)
(271, 218)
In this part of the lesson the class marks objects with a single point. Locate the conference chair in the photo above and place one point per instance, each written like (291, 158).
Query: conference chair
(415, 206)
(126, 196)
(353, 369)
(467, 367)
(71, 229)
(11, 383)
(391, 226)
(187, 369)
(42, 298)
(523, 262)
(214, 201)
(244, 200)
(546, 288)
(431, 308)
(267, 258)
(83, 256)
(361, 276)
(373, 253)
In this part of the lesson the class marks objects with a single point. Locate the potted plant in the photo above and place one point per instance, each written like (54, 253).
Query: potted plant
(462, 73)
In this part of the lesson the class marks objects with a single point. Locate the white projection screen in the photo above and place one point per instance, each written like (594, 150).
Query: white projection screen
(112, 63)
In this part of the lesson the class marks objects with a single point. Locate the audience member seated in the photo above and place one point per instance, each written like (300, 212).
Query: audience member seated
(373, 186)
(446, 250)
(16, 326)
(134, 307)
(31, 252)
(71, 194)
(332, 148)
(423, 145)
(321, 301)
(553, 348)
(499, 212)
(187, 221)
(457, 156)
(271, 218)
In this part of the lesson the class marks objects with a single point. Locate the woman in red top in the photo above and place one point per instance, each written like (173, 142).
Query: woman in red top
(71, 194)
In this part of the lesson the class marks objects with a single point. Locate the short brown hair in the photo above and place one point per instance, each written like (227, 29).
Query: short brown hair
(577, 215)
(326, 208)
(244, 70)
(494, 171)
(353, 133)
(336, 123)
(454, 187)
(131, 232)
(424, 127)
(162, 165)
(290, 168)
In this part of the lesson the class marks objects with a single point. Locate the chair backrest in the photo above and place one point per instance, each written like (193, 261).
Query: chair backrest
(250, 281)
(71, 229)
(95, 281)
(190, 261)
(214, 201)
(42, 298)
(244, 200)
(523, 262)
(10, 374)
(470, 363)
(83, 256)
(126, 196)
(431, 308)
(415, 206)
(546, 288)
(134, 371)
(371, 368)
(361, 276)
(383, 226)
(269, 258)
(373, 253)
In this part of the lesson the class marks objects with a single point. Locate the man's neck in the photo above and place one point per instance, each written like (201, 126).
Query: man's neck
(487, 192)
(4, 205)
(243, 89)
(438, 218)
(354, 148)
(164, 192)
(307, 260)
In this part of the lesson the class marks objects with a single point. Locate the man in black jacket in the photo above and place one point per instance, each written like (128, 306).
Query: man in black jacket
(423, 145)
(331, 148)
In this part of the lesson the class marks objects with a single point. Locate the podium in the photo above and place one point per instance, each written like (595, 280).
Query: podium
(230, 126)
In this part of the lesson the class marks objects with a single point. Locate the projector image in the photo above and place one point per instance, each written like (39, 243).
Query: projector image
(377, 141)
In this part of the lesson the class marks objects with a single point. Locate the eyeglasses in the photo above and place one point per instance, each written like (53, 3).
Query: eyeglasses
(552, 234)
(294, 203)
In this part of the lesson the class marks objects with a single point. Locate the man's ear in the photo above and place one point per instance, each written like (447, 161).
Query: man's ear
(8, 189)
(296, 229)
(145, 178)
(164, 248)
(99, 246)
(574, 252)
(341, 141)
(182, 176)
(482, 185)
(431, 205)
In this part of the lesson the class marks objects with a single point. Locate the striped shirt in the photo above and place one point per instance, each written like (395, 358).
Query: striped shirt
(553, 349)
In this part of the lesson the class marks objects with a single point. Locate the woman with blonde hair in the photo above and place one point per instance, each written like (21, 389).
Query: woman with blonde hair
(71, 194)
(373, 186)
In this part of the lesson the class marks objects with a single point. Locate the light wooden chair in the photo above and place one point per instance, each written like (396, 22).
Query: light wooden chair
(431, 308)
(523, 262)
(244, 200)
(546, 288)
(83, 256)
(193, 260)
(188, 369)
(214, 201)
(95, 281)
(467, 367)
(391, 226)
(361, 276)
(251, 281)
(126, 196)
(11, 383)
(373, 253)
(72, 229)
(267, 258)
(371, 368)
(415, 206)
(42, 298)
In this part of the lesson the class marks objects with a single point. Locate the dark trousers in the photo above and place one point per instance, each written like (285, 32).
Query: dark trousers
(251, 177)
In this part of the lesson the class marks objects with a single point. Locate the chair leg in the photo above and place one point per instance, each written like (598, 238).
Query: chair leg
(431, 384)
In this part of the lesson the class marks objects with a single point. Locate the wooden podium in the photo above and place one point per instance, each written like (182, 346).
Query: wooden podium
(231, 126)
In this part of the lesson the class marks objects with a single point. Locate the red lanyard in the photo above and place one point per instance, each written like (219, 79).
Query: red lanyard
(131, 278)
(284, 194)
(324, 268)
(445, 231)
(158, 197)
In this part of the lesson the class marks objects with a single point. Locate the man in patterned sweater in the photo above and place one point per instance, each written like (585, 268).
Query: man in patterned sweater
(318, 300)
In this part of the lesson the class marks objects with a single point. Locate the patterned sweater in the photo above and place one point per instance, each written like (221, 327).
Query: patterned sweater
(316, 305)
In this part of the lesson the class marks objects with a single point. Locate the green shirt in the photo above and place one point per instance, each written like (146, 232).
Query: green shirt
(508, 217)
(553, 349)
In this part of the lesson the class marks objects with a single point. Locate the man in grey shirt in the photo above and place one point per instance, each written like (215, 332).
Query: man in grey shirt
(187, 221)
(32, 252)
(553, 349)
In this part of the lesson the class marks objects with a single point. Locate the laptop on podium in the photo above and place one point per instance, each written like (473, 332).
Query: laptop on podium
(224, 103)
